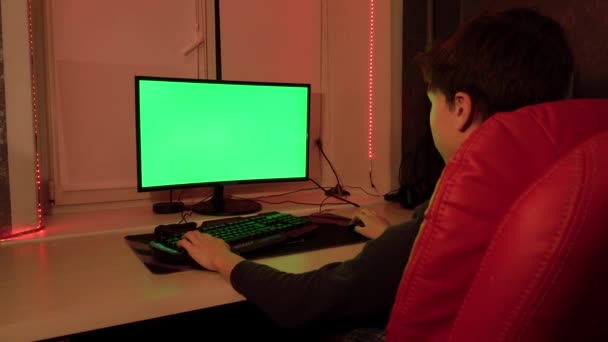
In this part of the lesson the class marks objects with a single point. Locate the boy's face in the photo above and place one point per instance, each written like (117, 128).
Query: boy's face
(452, 123)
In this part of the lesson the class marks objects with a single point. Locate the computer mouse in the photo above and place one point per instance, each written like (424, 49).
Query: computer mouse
(330, 218)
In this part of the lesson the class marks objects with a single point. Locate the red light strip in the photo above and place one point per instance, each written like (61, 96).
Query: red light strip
(35, 111)
(21, 231)
(370, 113)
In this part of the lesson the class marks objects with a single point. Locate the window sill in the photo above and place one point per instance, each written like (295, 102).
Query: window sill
(137, 217)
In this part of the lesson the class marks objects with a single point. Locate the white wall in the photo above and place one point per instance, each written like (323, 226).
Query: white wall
(342, 80)
(282, 43)
(345, 126)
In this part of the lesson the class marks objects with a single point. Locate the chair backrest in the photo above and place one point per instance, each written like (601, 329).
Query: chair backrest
(515, 235)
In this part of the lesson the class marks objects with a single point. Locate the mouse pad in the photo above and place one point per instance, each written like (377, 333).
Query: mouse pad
(328, 234)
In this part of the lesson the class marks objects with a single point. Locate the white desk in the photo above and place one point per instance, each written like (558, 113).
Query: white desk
(80, 280)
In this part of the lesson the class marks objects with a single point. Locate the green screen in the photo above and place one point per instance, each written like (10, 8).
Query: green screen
(194, 132)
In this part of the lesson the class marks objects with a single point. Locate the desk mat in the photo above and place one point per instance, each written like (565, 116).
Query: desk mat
(327, 235)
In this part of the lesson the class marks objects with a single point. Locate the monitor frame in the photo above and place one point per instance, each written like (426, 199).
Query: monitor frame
(218, 204)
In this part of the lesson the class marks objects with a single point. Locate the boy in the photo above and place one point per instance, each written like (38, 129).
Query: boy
(495, 63)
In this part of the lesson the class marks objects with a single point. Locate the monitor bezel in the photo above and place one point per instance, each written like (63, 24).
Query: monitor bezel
(141, 188)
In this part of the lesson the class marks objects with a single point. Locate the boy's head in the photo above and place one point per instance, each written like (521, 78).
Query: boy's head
(494, 63)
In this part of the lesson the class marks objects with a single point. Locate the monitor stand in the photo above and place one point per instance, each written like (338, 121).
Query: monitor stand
(168, 207)
(218, 205)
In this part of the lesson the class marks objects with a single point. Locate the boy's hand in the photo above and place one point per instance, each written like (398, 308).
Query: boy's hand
(210, 252)
(369, 223)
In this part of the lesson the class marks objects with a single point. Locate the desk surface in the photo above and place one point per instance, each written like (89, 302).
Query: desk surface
(61, 284)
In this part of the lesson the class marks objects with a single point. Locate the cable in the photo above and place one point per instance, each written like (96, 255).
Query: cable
(325, 81)
(337, 190)
(362, 189)
(283, 194)
(319, 145)
(303, 203)
(185, 214)
(322, 202)
(324, 74)
(332, 195)
(371, 179)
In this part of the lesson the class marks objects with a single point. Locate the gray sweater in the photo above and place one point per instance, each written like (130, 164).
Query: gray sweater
(355, 292)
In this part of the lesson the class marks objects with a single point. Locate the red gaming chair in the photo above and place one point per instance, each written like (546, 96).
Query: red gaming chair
(514, 245)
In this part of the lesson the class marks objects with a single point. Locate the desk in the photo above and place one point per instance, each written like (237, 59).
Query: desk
(64, 284)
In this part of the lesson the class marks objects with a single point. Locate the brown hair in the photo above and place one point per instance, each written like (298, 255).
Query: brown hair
(503, 61)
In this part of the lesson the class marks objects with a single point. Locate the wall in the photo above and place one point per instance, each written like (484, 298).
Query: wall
(344, 95)
(423, 22)
(281, 43)
(345, 128)
(426, 20)
(584, 22)
(265, 40)
(90, 86)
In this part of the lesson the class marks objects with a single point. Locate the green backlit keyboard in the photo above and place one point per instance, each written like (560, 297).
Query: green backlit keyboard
(243, 234)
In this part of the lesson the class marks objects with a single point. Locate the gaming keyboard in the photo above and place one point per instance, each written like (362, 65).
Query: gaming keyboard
(243, 234)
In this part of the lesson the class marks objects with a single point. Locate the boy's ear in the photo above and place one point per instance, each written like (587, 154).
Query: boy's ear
(464, 111)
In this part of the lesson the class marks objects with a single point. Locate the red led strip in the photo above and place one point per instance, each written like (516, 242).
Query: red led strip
(370, 113)
(35, 111)
(21, 231)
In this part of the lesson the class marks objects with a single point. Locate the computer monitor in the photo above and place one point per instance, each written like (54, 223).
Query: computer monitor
(197, 133)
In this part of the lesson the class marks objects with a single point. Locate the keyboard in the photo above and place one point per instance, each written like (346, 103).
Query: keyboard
(243, 234)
